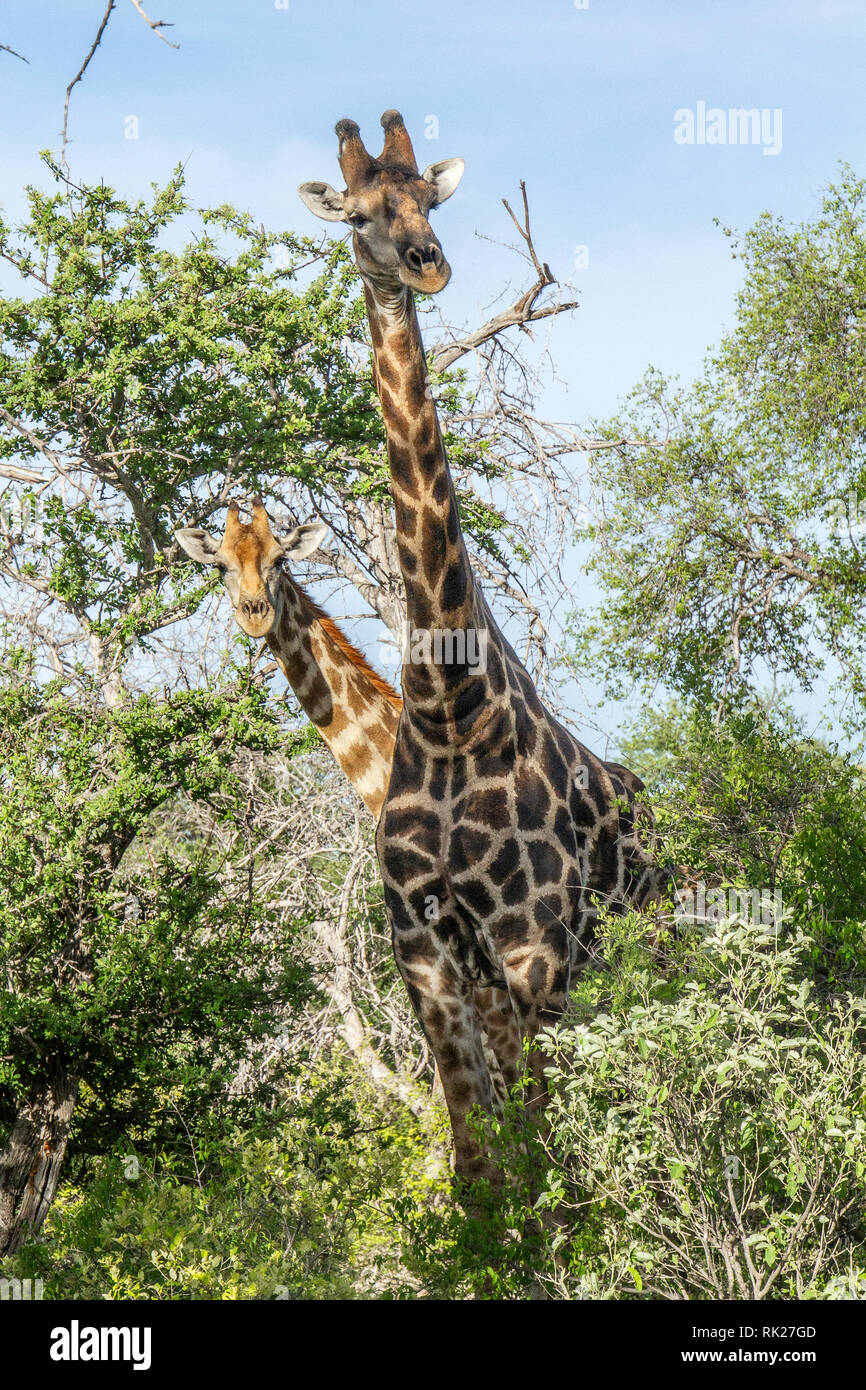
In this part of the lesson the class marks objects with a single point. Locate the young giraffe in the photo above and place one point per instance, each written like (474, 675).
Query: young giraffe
(354, 709)
(500, 833)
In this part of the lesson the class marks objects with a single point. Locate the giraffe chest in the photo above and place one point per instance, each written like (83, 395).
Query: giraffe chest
(497, 850)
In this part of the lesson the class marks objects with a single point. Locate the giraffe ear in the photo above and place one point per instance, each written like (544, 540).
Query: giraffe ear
(198, 544)
(444, 177)
(323, 200)
(304, 540)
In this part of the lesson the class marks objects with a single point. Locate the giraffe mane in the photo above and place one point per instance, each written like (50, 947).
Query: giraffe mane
(360, 661)
(357, 659)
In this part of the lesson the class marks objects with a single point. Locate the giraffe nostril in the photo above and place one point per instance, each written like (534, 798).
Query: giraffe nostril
(255, 608)
(418, 258)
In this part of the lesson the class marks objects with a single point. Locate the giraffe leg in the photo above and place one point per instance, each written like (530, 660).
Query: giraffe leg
(503, 1041)
(451, 1024)
(445, 1006)
(538, 986)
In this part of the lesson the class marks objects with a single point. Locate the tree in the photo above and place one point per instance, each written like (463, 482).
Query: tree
(141, 387)
(149, 385)
(708, 1105)
(707, 1123)
(730, 544)
(125, 978)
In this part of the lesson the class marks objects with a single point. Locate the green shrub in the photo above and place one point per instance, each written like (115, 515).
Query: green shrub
(708, 1123)
(300, 1205)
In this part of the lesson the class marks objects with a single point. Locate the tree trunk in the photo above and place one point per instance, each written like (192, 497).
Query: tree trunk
(31, 1160)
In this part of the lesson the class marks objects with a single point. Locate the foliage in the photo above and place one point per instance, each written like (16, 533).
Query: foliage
(298, 1202)
(708, 1123)
(729, 541)
(706, 1141)
(174, 881)
(147, 371)
(149, 379)
(752, 799)
(129, 976)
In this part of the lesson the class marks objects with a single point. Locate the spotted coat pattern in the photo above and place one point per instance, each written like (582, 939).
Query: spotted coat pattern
(500, 834)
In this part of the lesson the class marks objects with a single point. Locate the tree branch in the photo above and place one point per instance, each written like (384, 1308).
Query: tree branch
(520, 313)
(19, 475)
(78, 76)
(156, 25)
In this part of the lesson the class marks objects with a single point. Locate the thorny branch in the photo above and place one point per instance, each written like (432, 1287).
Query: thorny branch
(522, 312)
(78, 76)
(155, 25)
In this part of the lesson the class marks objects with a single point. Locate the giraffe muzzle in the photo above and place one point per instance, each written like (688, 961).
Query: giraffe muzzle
(256, 616)
(424, 266)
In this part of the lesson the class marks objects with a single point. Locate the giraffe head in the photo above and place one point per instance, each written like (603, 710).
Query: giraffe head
(251, 561)
(387, 203)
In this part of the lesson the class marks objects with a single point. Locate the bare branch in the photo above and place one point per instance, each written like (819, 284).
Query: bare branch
(24, 474)
(156, 24)
(542, 269)
(20, 475)
(4, 48)
(521, 312)
(78, 76)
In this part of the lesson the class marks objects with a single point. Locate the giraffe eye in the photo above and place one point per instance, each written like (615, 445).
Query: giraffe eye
(358, 220)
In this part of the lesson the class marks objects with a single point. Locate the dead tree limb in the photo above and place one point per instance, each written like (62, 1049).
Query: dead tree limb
(156, 24)
(20, 475)
(78, 76)
(522, 312)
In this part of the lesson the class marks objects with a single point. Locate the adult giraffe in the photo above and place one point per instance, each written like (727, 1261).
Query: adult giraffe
(355, 710)
(500, 833)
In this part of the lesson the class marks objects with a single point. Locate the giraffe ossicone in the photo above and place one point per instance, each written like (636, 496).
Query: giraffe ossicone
(494, 812)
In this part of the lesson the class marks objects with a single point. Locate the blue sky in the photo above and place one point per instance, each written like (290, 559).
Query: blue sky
(579, 102)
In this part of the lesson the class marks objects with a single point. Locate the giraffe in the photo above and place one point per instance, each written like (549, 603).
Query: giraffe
(500, 833)
(354, 709)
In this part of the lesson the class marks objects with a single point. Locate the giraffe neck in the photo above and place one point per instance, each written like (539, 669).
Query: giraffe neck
(355, 710)
(441, 593)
